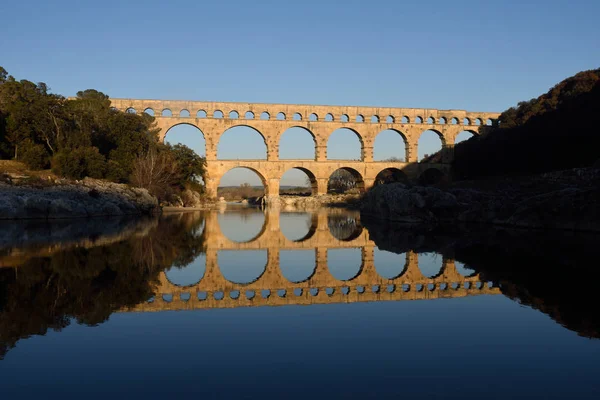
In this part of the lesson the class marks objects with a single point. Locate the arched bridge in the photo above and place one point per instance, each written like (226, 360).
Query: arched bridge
(271, 287)
(272, 120)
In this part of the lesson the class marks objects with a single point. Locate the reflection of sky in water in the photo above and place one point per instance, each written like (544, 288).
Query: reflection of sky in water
(430, 264)
(297, 265)
(188, 275)
(241, 226)
(295, 226)
(463, 269)
(242, 266)
(344, 264)
(389, 265)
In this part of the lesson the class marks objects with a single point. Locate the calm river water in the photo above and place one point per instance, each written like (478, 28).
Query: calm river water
(252, 304)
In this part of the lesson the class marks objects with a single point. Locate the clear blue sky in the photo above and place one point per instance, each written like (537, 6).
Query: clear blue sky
(474, 55)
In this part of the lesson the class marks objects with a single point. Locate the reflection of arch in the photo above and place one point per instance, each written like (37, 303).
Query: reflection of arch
(359, 182)
(282, 146)
(305, 269)
(426, 266)
(390, 175)
(240, 217)
(431, 176)
(242, 126)
(344, 262)
(311, 228)
(242, 273)
(385, 264)
(464, 270)
(176, 274)
(311, 177)
(344, 227)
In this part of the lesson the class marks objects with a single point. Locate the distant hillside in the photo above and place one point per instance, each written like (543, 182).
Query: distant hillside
(558, 130)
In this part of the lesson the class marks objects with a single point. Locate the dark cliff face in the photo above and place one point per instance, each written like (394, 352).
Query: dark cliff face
(551, 271)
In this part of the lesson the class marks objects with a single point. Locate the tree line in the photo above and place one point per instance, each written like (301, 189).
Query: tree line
(85, 137)
(554, 131)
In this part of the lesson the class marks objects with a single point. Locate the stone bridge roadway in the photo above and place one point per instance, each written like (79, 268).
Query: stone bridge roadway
(272, 120)
(272, 288)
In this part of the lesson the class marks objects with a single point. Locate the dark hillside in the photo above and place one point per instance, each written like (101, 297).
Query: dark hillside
(558, 130)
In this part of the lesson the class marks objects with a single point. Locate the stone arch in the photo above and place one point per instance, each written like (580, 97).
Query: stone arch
(234, 114)
(360, 118)
(431, 176)
(297, 117)
(218, 114)
(308, 173)
(464, 135)
(442, 121)
(166, 113)
(198, 146)
(466, 121)
(265, 116)
(329, 117)
(345, 118)
(390, 175)
(431, 120)
(387, 140)
(255, 265)
(454, 121)
(131, 110)
(428, 146)
(337, 133)
(249, 115)
(300, 143)
(478, 122)
(375, 119)
(280, 116)
(489, 122)
(347, 179)
(390, 119)
(418, 120)
(246, 143)
(184, 113)
(149, 111)
(313, 117)
(201, 114)
(243, 174)
(405, 120)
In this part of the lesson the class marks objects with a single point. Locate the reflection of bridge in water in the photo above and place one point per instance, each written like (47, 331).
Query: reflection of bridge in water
(273, 288)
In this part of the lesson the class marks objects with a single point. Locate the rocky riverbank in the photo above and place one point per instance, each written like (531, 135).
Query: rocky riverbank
(86, 198)
(558, 200)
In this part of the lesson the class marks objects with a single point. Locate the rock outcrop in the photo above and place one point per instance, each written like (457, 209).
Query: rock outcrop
(86, 198)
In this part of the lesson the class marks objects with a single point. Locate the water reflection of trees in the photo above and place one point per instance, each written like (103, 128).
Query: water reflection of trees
(344, 226)
(89, 284)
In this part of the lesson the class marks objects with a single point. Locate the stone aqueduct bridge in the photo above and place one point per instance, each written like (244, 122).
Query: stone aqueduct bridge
(272, 288)
(272, 120)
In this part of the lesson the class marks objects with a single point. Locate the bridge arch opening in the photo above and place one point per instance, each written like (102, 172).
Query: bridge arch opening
(149, 111)
(184, 113)
(188, 135)
(344, 227)
(249, 115)
(454, 121)
(344, 118)
(390, 119)
(329, 117)
(390, 175)
(313, 117)
(344, 144)
(297, 143)
(298, 181)
(478, 122)
(242, 143)
(167, 113)
(431, 120)
(464, 270)
(297, 117)
(442, 121)
(489, 122)
(390, 265)
(430, 145)
(375, 119)
(241, 183)
(431, 176)
(405, 120)
(131, 110)
(360, 118)
(418, 120)
(281, 116)
(430, 264)
(466, 121)
(345, 180)
(344, 264)
(242, 267)
(233, 114)
(265, 116)
(464, 135)
(297, 265)
(201, 114)
(390, 145)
